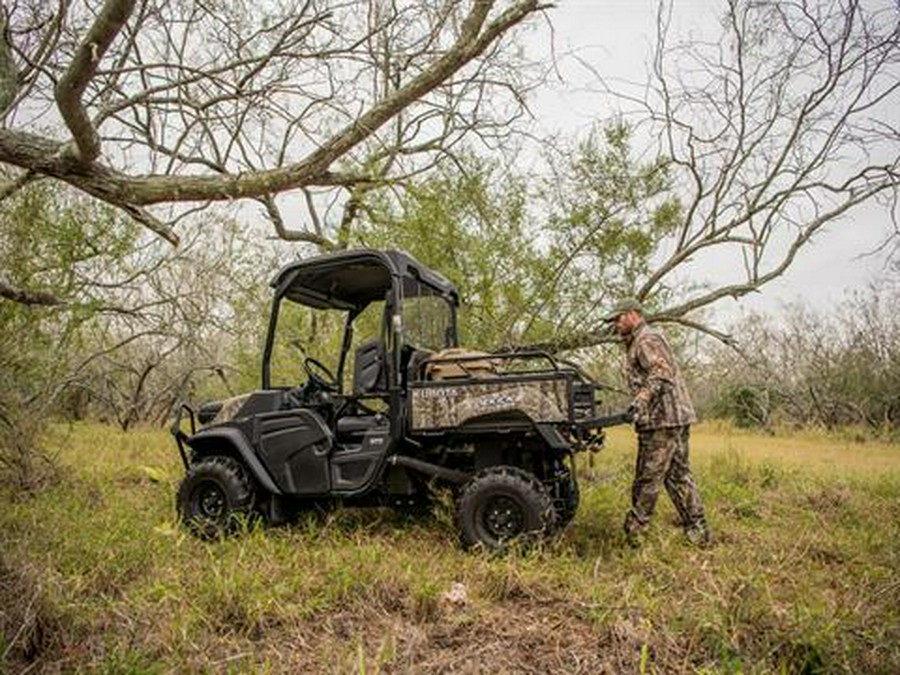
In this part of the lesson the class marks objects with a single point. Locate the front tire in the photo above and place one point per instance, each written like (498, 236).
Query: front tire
(503, 504)
(215, 496)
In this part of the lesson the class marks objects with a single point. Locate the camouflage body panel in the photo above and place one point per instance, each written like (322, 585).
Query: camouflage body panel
(453, 405)
(230, 408)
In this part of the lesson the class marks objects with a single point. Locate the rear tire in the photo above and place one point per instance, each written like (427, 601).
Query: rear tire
(215, 497)
(503, 504)
(570, 498)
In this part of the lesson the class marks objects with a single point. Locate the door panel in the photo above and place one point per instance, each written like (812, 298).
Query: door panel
(294, 446)
(354, 464)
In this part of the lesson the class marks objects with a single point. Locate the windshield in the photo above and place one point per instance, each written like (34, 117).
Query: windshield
(428, 322)
(304, 332)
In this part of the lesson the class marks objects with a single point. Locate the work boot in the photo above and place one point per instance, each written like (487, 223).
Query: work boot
(698, 534)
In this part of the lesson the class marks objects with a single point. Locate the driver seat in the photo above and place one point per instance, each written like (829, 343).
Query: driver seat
(369, 374)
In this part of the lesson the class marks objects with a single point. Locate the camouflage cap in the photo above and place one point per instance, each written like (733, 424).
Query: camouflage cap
(623, 306)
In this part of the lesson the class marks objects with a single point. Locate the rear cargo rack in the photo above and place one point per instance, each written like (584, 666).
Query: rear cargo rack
(493, 357)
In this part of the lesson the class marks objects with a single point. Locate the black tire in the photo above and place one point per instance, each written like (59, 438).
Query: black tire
(569, 499)
(215, 496)
(503, 504)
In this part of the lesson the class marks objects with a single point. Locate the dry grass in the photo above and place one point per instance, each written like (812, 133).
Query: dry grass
(96, 576)
(847, 452)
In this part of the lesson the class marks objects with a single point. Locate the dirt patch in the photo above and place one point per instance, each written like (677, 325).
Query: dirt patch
(521, 636)
(525, 636)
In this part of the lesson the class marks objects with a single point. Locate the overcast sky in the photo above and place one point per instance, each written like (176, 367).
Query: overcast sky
(615, 38)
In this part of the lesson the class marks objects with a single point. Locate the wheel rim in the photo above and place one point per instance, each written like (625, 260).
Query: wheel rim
(502, 517)
(211, 501)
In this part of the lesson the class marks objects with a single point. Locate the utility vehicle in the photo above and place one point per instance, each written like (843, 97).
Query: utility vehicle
(416, 412)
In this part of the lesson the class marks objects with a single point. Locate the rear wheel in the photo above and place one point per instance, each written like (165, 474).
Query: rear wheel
(503, 504)
(215, 496)
(569, 498)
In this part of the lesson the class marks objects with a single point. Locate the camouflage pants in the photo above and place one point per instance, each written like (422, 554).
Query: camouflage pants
(663, 460)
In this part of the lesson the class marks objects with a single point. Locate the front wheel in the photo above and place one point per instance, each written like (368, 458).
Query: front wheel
(214, 496)
(502, 504)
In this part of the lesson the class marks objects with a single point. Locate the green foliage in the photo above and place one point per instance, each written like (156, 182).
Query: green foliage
(609, 212)
(748, 406)
(51, 238)
(140, 324)
(469, 224)
(50, 243)
(813, 369)
(534, 265)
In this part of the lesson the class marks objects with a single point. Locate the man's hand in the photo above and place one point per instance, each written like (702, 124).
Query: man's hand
(631, 412)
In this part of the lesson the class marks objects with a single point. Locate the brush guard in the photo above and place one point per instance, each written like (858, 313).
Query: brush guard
(179, 435)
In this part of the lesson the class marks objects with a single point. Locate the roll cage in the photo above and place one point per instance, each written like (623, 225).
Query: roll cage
(351, 281)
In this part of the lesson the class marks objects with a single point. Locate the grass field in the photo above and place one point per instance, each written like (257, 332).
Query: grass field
(95, 575)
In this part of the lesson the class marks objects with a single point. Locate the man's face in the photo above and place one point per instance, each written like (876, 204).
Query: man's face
(626, 322)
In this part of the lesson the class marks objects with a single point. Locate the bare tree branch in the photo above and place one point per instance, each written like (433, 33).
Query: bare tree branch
(772, 133)
(190, 102)
(81, 70)
(26, 297)
(10, 78)
(274, 214)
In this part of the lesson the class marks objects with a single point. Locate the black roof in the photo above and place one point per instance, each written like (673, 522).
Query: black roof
(353, 279)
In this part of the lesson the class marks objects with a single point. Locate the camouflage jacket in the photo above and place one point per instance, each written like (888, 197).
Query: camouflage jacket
(653, 377)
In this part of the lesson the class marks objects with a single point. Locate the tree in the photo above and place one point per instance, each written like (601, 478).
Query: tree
(150, 102)
(134, 324)
(774, 131)
(197, 306)
(813, 368)
(469, 221)
(532, 263)
(606, 213)
(41, 330)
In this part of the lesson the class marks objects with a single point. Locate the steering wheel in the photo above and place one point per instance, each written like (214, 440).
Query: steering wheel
(311, 365)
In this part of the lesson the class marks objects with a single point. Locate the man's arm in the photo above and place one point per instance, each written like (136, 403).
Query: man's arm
(656, 359)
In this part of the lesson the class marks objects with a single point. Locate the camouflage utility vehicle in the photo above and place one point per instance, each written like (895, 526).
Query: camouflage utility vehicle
(415, 412)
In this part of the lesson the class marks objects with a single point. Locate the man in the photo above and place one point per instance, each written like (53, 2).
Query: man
(662, 418)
